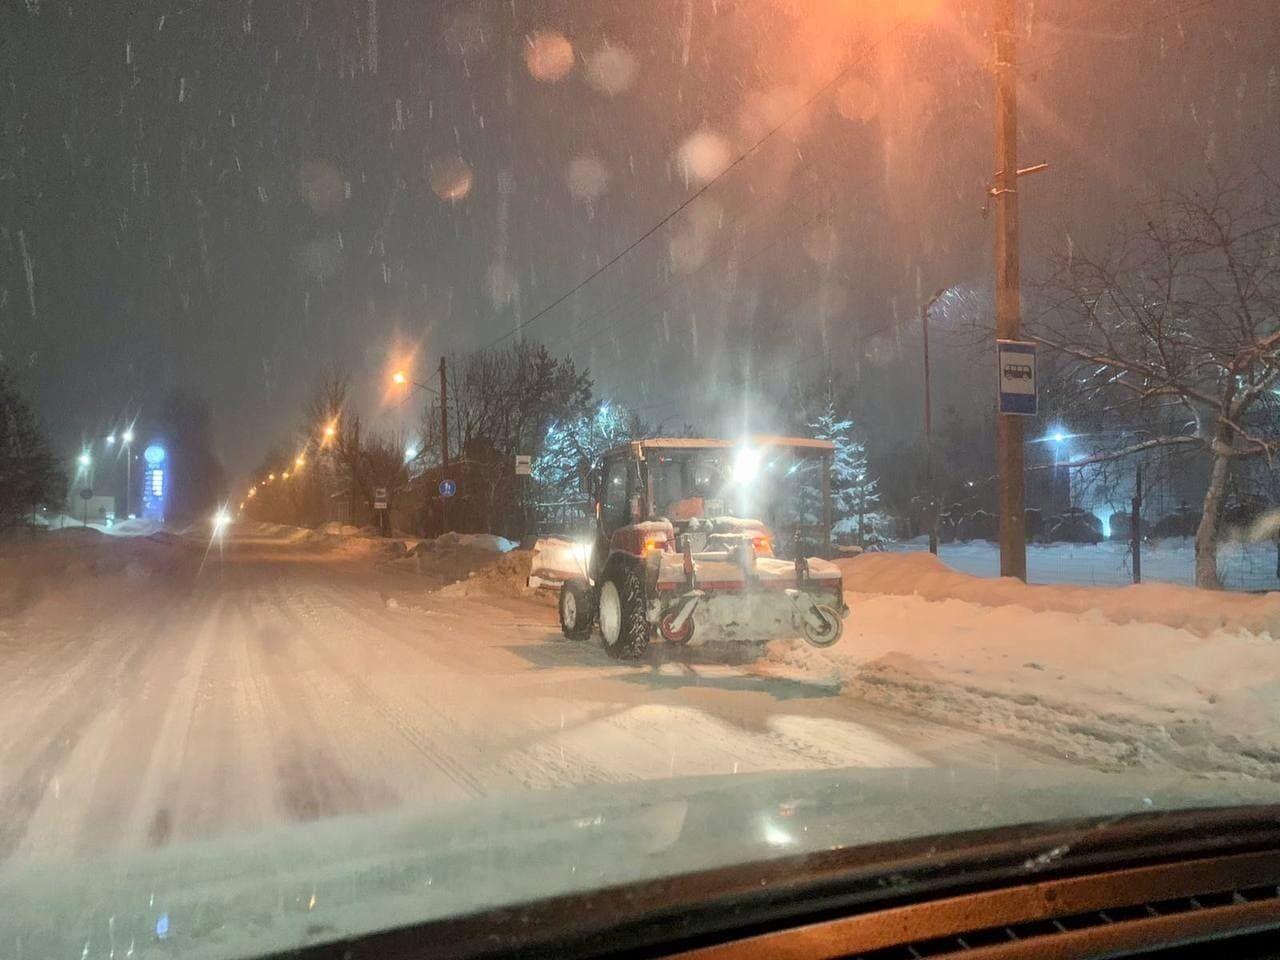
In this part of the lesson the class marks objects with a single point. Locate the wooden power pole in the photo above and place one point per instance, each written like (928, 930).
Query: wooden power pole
(1013, 539)
(444, 418)
(444, 446)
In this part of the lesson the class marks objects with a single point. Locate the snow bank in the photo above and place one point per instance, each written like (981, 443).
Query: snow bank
(1153, 675)
(505, 576)
(1198, 611)
(475, 541)
(52, 567)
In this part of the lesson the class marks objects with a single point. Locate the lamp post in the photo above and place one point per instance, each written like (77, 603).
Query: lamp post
(127, 439)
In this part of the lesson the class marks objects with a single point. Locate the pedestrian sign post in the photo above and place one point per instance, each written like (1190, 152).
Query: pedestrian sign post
(448, 488)
(1016, 375)
(524, 465)
(380, 498)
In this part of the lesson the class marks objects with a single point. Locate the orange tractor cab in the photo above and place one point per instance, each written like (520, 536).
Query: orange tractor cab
(673, 553)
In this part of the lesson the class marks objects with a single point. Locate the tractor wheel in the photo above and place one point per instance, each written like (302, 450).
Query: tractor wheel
(683, 635)
(577, 609)
(832, 627)
(623, 626)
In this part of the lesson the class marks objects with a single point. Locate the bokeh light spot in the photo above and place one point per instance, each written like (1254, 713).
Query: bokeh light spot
(549, 56)
(612, 69)
(703, 156)
(450, 178)
(587, 178)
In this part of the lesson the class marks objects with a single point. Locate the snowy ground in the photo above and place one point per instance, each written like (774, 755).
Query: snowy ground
(1150, 676)
(162, 688)
(1243, 566)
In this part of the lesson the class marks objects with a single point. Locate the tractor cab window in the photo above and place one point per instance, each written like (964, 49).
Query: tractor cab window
(685, 487)
(614, 505)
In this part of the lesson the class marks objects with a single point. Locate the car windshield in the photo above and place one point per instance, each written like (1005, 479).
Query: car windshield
(458, 452)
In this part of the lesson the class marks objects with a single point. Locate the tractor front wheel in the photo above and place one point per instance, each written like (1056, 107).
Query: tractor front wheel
(577, 609)
(623, 626)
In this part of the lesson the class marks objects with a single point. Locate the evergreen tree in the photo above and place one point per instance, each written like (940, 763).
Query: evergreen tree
(854, 491)
(30, 476)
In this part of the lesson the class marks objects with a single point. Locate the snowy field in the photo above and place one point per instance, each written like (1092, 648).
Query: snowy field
(1243, 566)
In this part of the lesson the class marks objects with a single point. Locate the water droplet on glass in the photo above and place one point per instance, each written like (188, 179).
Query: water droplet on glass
(549, 56)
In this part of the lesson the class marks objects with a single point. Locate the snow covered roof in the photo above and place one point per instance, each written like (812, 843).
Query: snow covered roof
(703, 443)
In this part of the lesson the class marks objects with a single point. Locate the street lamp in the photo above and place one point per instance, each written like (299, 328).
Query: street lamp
(127, 439)
(399, 378)
(84, 460)
(299, 461)
(111, 440)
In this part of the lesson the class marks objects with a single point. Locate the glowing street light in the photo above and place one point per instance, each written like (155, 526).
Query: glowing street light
(285, 475)
(84, 460)
(399, 378)
(299, 461)
(111, 439)
(270, 477)
(253, 491)
(409, 454)
(127, 436)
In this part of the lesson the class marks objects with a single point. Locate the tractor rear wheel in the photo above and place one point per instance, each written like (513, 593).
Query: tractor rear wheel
(577, 609)
(623, 626)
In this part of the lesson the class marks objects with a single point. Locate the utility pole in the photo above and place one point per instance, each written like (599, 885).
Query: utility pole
(928, 428)
(444, 444)
(1013, 540)
(444, 416)
(1135, 525)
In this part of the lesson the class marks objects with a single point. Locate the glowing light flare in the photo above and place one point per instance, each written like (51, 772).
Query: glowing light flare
(111, 440)
(746, 464)
(127, 436)
(253, 491)
(548, 55)
(399, 378)
(299, 461)
(84, 460)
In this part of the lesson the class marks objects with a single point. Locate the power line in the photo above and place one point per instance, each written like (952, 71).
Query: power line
(684, 204)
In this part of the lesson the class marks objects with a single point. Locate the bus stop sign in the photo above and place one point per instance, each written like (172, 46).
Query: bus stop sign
(1016, 373)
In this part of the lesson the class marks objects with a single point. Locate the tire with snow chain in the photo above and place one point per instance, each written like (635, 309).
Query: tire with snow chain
(577, 609)
(623, 626)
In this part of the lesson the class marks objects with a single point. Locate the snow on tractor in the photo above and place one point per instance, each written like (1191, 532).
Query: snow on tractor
(673, 554)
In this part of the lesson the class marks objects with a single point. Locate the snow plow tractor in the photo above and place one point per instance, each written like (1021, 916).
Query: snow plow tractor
(672, 554)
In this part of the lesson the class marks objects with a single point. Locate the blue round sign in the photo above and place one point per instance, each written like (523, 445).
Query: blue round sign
(154, 454)
(448, 488)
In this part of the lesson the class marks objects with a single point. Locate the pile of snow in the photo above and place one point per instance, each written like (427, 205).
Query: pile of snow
(556, 560)
(55, 567)
(506, 575)
(1199, 611)
(473, 541)
(1153, 675)
(336, 528)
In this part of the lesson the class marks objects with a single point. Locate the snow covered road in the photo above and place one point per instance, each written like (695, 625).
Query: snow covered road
(188, 697)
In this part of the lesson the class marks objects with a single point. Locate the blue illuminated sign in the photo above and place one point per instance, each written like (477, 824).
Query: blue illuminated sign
(155, 482)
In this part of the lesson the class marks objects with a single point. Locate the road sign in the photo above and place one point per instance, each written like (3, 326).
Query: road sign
(524, 465)
(380, 498)
(1016, 373)
(86, 494)
(448, 488)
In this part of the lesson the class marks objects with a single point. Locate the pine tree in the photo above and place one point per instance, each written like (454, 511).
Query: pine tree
(30, 475)
(854, 491)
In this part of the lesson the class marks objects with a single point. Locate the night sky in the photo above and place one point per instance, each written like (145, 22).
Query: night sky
(231, 196)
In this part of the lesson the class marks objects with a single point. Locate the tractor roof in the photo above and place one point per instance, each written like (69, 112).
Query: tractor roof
(803, 445)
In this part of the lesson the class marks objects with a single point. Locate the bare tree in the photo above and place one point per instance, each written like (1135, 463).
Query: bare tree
(1173, 337)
